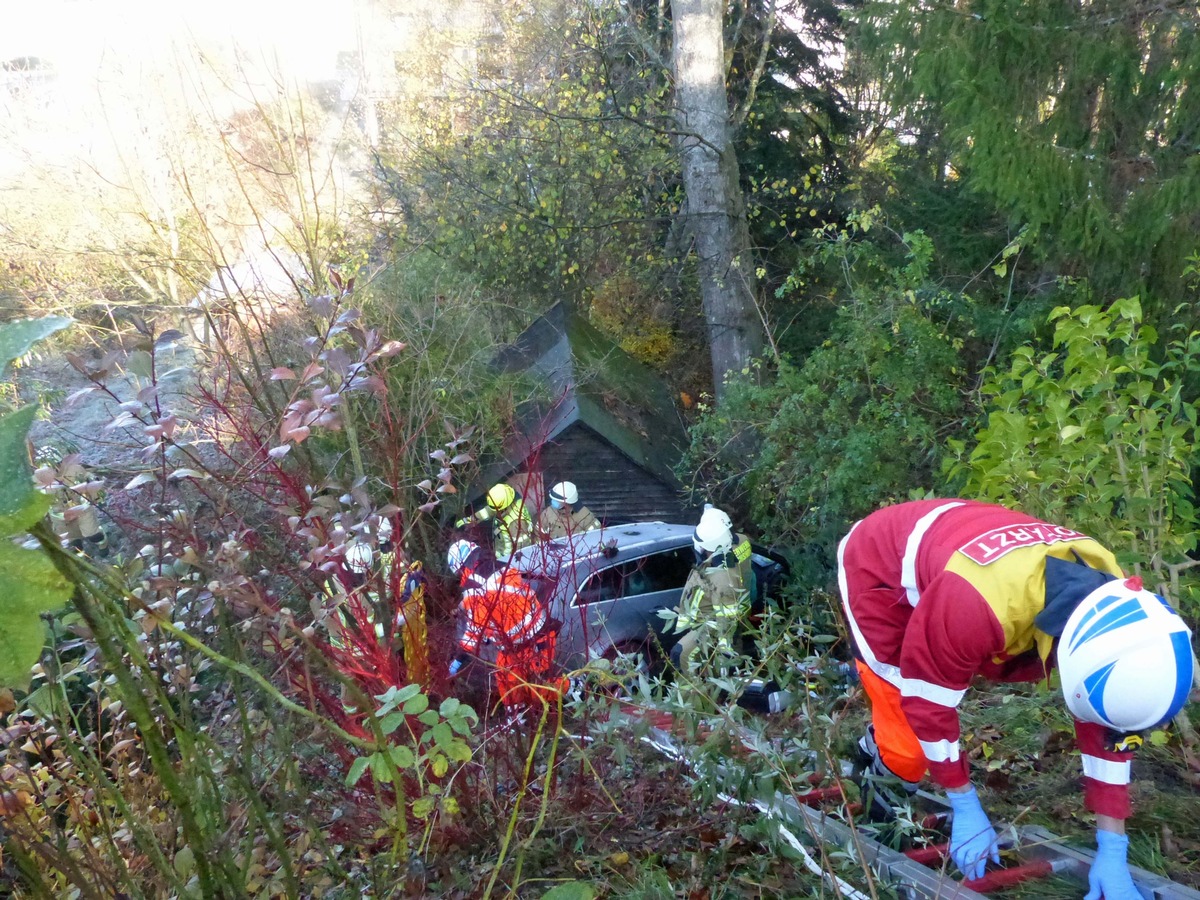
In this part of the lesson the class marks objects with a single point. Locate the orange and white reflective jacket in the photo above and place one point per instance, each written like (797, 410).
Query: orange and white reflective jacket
(501, 609)
(939, 591)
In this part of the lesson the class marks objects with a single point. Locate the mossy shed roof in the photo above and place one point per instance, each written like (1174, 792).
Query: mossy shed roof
(589, 379)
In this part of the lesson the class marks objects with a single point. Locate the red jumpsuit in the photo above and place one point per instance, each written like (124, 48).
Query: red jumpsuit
(939, 591)
(503, 610)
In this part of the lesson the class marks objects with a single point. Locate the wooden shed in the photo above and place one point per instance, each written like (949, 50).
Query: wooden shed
(605, 422)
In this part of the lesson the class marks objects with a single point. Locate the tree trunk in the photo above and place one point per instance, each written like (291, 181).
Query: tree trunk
(715, 209)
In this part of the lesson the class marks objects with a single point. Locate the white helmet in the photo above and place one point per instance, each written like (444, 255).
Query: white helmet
(359, 558)
(564, 492)
(1126, 658)
(384, 531)
(458, 554)
(714, 534)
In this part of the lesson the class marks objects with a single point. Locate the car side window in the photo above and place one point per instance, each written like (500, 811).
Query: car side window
(607, 584)
(666, 571)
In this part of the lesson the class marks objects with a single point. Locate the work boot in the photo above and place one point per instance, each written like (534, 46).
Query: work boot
(883, 791)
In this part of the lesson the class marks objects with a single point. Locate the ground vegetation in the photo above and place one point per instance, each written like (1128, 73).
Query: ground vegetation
(964, 235)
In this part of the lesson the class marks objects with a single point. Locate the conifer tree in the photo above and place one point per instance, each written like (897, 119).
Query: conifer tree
(1080, 118)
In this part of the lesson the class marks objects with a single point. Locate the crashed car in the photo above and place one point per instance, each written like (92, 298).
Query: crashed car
(608, 586)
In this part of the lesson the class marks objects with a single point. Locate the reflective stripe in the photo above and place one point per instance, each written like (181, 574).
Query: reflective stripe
(533, 621)
(908, 687)
(940, 751)
(934, 693)
(1110, 771)
(908, 566)
(890, 674)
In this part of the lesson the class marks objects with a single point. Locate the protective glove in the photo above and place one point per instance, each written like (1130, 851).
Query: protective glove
(455, 665)
(463, 522)
(1109, 876)
(972, 837)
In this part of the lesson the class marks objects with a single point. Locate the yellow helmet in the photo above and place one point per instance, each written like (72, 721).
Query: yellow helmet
(500, 497)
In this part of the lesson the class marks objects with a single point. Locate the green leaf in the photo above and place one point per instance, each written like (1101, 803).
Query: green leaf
(449, 707)
(403, 757)
(414, 706)
(391, 722)
(406, 692)
(356, 770)
(423, 807)
(428, 718)
(140, 363)
(442, 735)
(21, 505)
(393, 697)
(29, 582)
(29, 585)
(21, 640)
(380, 768)
(1070, 432)
(185, 862)
(571, 890)
(17, 337)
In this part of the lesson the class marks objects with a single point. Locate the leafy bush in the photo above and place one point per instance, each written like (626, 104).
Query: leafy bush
(1098, 434)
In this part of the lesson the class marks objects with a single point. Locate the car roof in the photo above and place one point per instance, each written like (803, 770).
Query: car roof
(588, 547)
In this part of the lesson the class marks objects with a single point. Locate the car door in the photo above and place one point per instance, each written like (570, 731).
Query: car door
(618, 605)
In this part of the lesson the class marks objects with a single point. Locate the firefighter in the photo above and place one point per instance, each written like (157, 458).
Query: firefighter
(512, 526)
(937, 592)
(564, 517)
(353, 598)
(718, 590)
(410, 622)
(500, 609)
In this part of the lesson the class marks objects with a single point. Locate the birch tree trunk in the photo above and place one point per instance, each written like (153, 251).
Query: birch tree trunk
(715, 209)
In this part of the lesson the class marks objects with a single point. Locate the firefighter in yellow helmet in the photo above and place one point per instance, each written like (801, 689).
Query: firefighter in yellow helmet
(512, 526)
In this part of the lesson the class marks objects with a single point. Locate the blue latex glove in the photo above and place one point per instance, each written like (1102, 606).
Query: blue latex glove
(1109, 876)
(972, 837)
(455, 665)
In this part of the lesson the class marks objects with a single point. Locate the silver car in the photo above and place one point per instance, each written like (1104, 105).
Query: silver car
(607, 587)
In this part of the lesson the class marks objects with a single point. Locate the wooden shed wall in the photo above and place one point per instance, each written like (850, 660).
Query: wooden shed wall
(610, 484)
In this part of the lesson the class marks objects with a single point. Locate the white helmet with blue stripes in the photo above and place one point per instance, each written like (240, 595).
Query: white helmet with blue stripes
(1125, 657)
(457, 555)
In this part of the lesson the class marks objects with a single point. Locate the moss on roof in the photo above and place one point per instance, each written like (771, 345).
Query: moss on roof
(593, 381)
